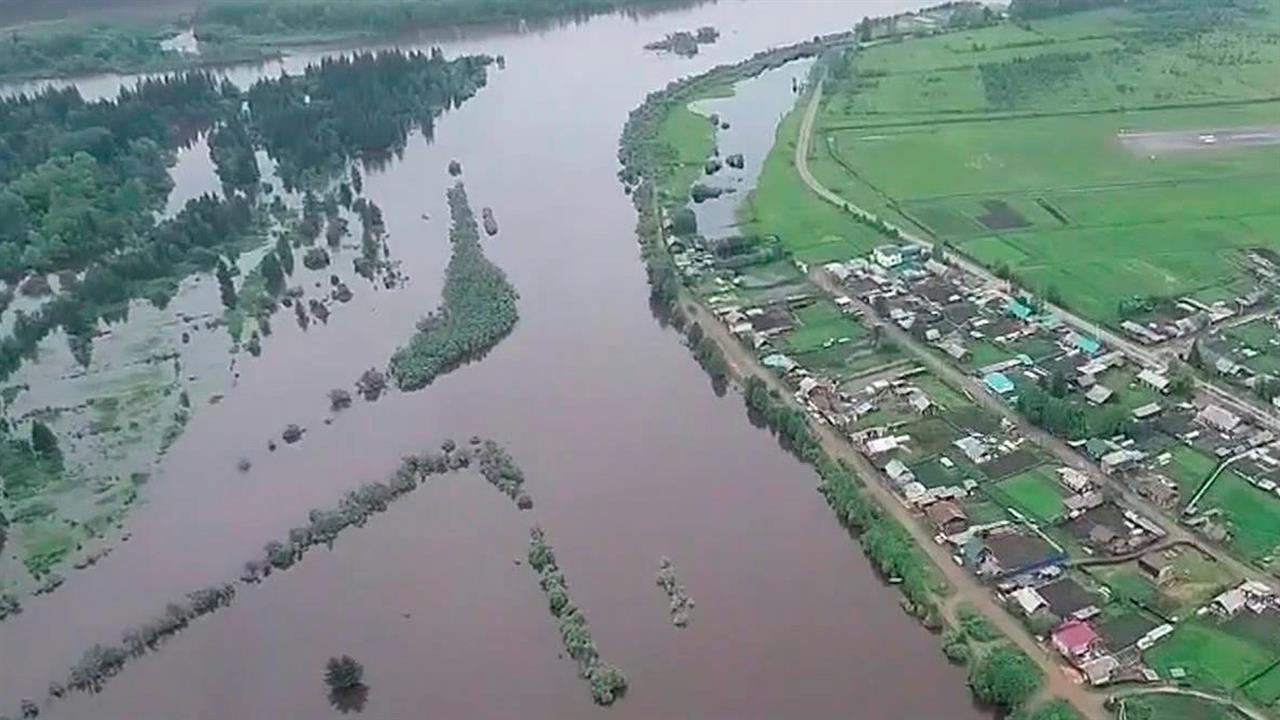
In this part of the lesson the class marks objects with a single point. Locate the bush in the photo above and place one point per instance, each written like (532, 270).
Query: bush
(1005, 678)
(956, 647)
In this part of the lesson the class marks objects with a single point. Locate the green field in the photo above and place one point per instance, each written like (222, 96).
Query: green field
(1264, 690)
(1212, 657)
(1012, 144)
(1188, 469)
(1252, 516)
(1175, 707)
(1035, 493)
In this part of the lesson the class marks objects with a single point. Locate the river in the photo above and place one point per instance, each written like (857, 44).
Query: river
(630, 457)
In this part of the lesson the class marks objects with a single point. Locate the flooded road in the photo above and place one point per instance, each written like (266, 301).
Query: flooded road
(629, 454)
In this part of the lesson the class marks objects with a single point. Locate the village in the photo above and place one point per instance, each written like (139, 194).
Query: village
(1045, 467)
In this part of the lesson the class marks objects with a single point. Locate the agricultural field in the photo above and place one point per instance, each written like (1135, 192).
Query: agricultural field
(1252, 516)
(1095, 157)
(1214, 656)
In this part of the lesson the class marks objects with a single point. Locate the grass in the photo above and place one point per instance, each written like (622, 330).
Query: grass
(1034, 493)
(1212, 658)
(1189, 468)
(1253, 516)
(1265, 689)
(1177, 707)
(812, 229)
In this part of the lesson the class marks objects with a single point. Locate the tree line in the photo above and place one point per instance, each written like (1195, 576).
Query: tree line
(103, 661)
(608, 684)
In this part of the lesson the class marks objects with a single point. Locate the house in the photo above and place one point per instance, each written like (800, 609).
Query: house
(1157, 567)
(974, 449)
(1069, 600)
(1098, 394)
(1148, 411)
(899, 473)
(920, 403)
(1016, 554)
(1118, 461)
(881, 445)
(947, 517)
(1082, 502)
(998, 383)
(1218, 418)
(1086, 345)
(1018, 309)
(1028, 600)
(1228, 603)
(887, 256)
(1076, 641)
(954, 348)
(1075, 480)
(1154, 380)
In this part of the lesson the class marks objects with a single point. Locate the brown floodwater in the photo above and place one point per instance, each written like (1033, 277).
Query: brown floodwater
(630, 457)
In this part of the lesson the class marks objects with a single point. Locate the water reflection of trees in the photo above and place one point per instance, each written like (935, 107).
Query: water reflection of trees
(349, 700)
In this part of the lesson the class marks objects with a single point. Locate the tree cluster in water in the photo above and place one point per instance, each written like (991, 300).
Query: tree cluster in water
(81, 182)
(478, 308)
(608, 684)
(680, 602)
(103, 661)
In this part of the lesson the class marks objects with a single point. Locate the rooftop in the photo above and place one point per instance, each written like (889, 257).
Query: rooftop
(998, 383)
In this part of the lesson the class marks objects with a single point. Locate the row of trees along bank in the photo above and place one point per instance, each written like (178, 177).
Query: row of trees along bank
(1002, 676)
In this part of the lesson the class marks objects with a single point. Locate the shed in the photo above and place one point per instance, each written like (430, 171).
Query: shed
(1029, 601)
(898, 472)
(1098, 394)
(1147, 411)
(1156, 566)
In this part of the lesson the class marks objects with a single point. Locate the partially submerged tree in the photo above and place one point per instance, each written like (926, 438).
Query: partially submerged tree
(343, 673)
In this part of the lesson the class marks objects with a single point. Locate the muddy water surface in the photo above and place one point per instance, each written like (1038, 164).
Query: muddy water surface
(629, 453)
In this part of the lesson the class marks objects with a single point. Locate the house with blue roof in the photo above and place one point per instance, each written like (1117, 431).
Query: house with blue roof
(1086, 345)
(998, 383)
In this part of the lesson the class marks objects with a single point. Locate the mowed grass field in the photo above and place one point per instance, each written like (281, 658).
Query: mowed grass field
(1009, 144)
(1034, 493)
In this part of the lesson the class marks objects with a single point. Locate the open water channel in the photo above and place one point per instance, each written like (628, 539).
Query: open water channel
(630, 456)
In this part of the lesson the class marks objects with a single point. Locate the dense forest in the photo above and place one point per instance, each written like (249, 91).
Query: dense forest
(1035, 9)
(228, 19)
(361, 106)
(81, 183)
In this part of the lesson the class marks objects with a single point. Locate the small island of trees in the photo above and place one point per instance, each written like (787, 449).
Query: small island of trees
(479, 307)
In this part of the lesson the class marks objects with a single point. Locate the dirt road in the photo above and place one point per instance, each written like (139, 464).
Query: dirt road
(966, 589)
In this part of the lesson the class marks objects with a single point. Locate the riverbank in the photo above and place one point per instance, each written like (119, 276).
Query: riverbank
(890, 536)
(226, 32)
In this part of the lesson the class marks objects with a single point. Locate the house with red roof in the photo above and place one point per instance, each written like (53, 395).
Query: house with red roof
(1076, 641)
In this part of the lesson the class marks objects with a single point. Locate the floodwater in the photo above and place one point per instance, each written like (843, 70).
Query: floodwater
(749, 121)
(630, 456)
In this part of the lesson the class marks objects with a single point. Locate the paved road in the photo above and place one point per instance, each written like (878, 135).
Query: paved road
(966, 588)
(1148, 356)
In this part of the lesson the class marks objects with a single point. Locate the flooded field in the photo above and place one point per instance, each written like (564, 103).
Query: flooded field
(630, 455)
